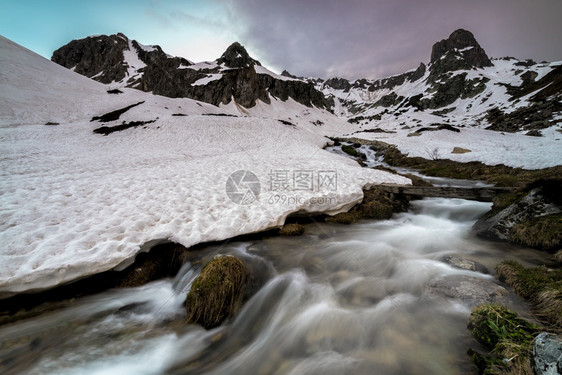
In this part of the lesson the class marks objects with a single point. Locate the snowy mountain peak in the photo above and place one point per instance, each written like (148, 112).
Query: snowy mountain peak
(236, 56)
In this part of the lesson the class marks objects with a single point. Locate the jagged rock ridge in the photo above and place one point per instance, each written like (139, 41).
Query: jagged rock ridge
(117, 59)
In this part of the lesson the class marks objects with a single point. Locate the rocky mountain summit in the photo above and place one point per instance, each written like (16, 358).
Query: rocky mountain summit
(235, 75)
(459, 51)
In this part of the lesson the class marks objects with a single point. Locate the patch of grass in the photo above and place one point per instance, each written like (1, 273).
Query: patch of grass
(544, 232)
(542, 286)
(508, 337)
(500, 175)
(217, 293)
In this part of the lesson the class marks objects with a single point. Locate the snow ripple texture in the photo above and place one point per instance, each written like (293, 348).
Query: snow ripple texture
(74, 203)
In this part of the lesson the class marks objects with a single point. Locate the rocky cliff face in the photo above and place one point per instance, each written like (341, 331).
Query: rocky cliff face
(235, 75)
(99, 57)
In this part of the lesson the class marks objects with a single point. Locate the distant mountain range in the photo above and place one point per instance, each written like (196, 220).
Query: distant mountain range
(460, 86)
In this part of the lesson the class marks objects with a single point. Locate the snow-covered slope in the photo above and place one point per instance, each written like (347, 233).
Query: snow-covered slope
(73, 203)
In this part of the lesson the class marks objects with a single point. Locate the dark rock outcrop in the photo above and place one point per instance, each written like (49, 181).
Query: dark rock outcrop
(338, 84)
(100, 57)
(544, 104)
(459, 51)
(285, 73)
(452, 89)
(236, 56)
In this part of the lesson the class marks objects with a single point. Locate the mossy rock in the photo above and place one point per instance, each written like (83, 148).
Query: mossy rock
(376, 204)
(291, 230)
(217, 294)
(508, 337)
(343, 218)
(350, 150)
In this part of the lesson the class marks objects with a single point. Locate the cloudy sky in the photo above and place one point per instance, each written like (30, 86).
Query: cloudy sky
(321, 38)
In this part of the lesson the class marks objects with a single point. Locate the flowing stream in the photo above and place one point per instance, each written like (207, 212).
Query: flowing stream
(339, 300)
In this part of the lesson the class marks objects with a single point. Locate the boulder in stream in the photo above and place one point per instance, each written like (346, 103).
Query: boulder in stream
(217, 294)
(473, 291)
(465, 264)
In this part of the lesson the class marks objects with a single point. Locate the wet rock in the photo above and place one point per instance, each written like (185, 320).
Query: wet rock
(217, 294)
(547, 353)
(465, 264)
(471, 290)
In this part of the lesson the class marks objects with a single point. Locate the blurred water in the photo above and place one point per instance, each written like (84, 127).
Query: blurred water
(339, 300)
